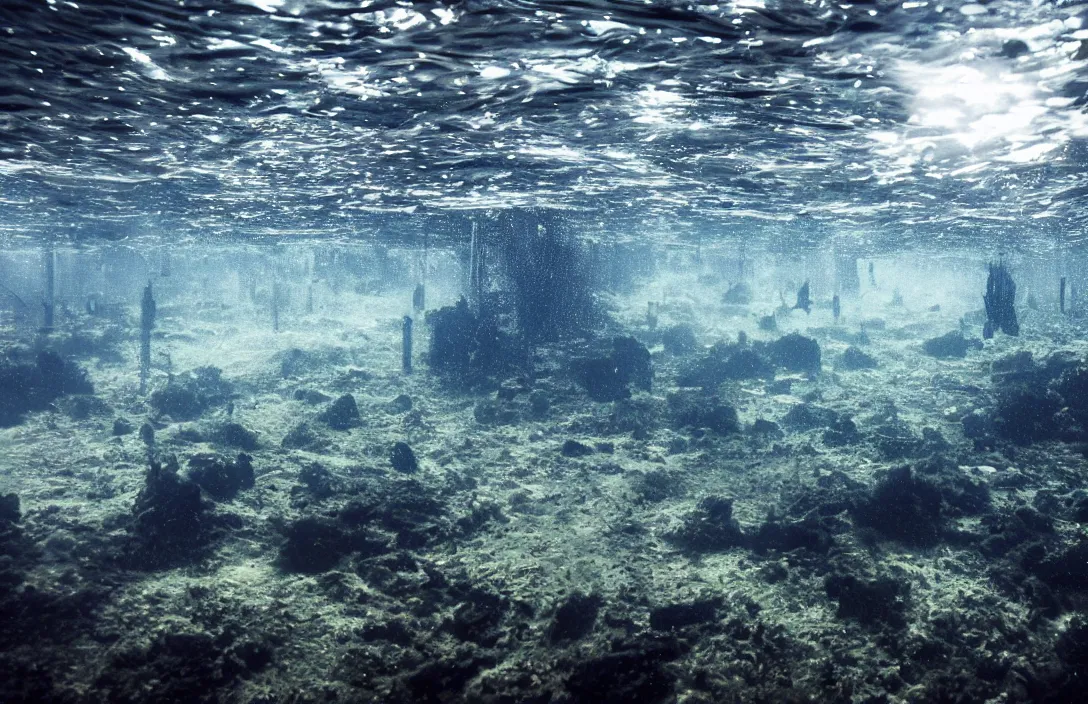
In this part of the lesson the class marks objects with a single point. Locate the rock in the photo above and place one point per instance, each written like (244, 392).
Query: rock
(639, 415)
(976, 425)
(874, 324)
(573, 448)
(881, 601)
(401, 404)
(311, 396)
(303, 437)
(491, 412)
(1072, 386)
(795, 352)
(33, 387)
(601, 379)
(296, 362)
(539, 403)
(697, 410)
(679, 339)
(807, 416)
(768, 323)
(1014, 48)
(786, 537)
(633, 362)
(170, 520)
(188, 395)
(575, 617)
(655, 486)
(739, 294)
(725, 363)
(896, 440)
(319, 481)
(1066, 570)
(709, 527)
(82, 406)
(403, 459)
(478, 617)
(122, 426)
(236, 435)
(904, 508)
(342, 414)
(1025, 415)
(441, 679)
(509, 390)
(9, 509)
(221, 479)
(853, 359)
(1019, 366)
(762, 426)
(464, 348)
(843, 431)
(635, 673)
(950, 345)
(188, 433)
(607, 378)
(677, 616)
(314, 545)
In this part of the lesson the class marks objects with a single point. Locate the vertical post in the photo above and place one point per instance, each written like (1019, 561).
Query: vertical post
(836, 307)
(275, 305)
(419, 296)
(1061, 296)
(478, 271)
(48, 301)
(475, 267)
(406, 345)
(147, 321)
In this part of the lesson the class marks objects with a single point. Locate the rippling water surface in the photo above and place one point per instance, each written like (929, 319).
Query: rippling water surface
(906, 120)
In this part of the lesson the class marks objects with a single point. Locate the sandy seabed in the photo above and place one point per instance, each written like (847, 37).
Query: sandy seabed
(844, 541)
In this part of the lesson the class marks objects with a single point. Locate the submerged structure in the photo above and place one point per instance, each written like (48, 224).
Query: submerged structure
(1000, 300)
(395, 352)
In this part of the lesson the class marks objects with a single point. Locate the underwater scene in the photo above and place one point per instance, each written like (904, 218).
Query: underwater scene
(515, 352)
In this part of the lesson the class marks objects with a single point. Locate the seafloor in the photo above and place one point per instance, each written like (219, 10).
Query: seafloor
(844, 541)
